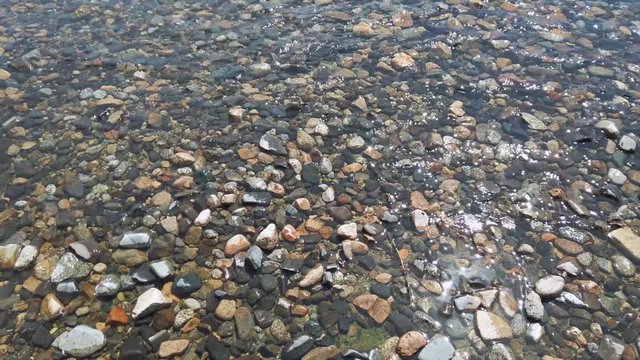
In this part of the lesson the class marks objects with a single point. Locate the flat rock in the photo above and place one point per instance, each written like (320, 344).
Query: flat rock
(129, 257)
(410, 343)
(235, 244)
(438, 348)
(312, 277)
(245, 324)
(492, 327)
(272, 144)
(533, 122)
(81, 341)
(322, 353)
(172, 348)
(348, 231)
(27, 256)
(533, 306)
(226, 309)
(135, 241)
(297, 348)
(379, 309)
(8, 255)
(150, 301)
(550, 286)
(628, 241)
(70, 267)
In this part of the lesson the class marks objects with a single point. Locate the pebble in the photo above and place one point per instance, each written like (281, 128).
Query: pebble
(81, 341)
(410, 343)
(491, 327)
(9, 255)
(172, 348)
(312, 277)
(235, 244)
(26, 258)
(108, 286)
(379, 309)
(533, 306)
(550, 286)
(268, 238)
(148, 302)
(298, 348)
(4, 75)
(628, 241)
(438, 348)
(348, 231)
(70, 267)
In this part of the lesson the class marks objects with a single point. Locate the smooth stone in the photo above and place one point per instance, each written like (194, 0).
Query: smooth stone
(256, 198)
(322, 353)
(81, 341)
(628, 241)
(129, 257)
(622, 266)
(27, 256)
(87, 249)
(312, 277)
(268, 238)
(348, 231)
(236, 244)
(438, 348)
(203, 218)
(298, 348)
(150, 301)
(410, 343)
(610, 348)
(255, 256)
(162, 269)
(533, 306)
(172, 348)
(186, 285)
(243, 319)
(135, 241)
(8, 256)
(272, 144)
(492, 327)
(535, 332)
(132, 349)
(550, 286)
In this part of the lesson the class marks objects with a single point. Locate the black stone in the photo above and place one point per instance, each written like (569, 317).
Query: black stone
(297, 348)
(133, 349)
(75, 190)
(217, 350)
(187, 284)
(367, 262)
(268, 282)
(382, 290)
(311, 174)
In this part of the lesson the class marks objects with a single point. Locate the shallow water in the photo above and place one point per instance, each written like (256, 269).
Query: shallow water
(426, 165)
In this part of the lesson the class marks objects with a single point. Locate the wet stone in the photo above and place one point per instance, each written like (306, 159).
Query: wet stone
(438, 348)
(549, 286)
(70, 267)
(628, 241)
(108, 286)
(297, 348)
(492, 327)
(187, 284)
(81, 341)
(135, 241)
